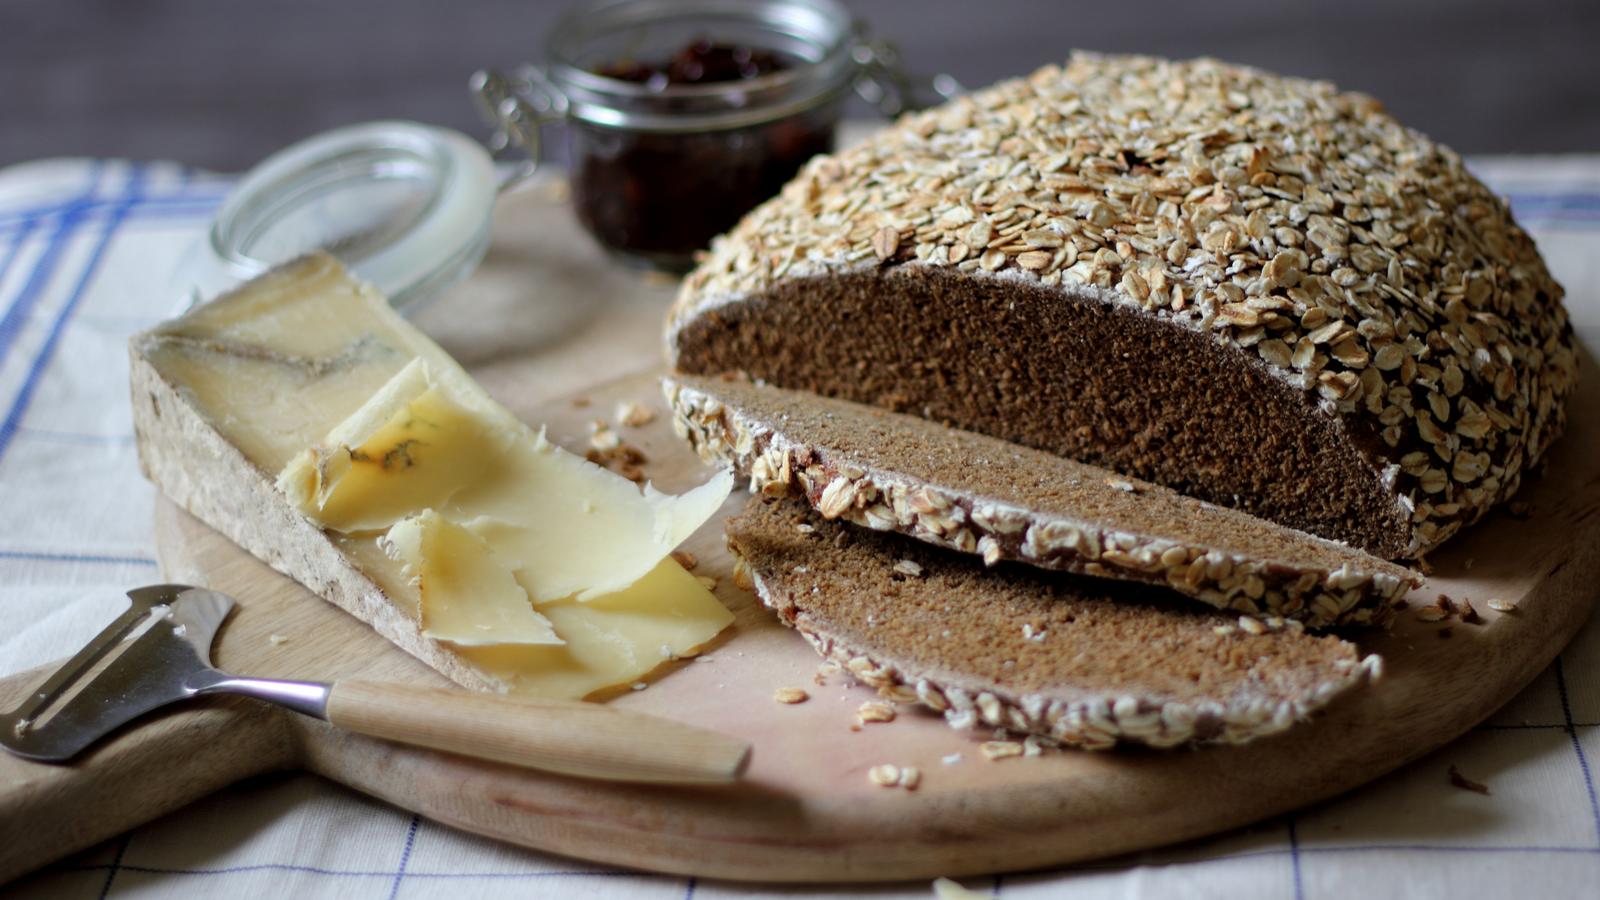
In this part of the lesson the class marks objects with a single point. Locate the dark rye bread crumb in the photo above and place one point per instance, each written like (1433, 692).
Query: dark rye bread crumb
(978, 494)
(1083, 379)
(1084, 661)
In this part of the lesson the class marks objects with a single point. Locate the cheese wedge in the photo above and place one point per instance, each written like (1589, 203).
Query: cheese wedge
(227, 395)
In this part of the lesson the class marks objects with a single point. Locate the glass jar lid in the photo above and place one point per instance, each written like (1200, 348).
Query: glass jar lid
(405, 206)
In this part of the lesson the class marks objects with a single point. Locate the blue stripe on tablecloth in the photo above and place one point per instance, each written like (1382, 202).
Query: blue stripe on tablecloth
(15, 249)
(1110, 864)
(144, 212)
(17, 313)
(1294, 861)
(1577, 747)
(19, 407)
(38, 556)
(405, 856)
(184, 195)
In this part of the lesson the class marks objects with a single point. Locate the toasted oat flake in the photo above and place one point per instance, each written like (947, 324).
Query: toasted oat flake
(910, 777)
(1499, 605)
(790, 695)
(278, 640)
(886, 775)
(875, 711)
(707, 582)
(908, 568)
(1001, 749)
(686, 559)
(1432, 614)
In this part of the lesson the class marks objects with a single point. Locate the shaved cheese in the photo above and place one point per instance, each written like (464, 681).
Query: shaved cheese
(468, 597)
(565, 526)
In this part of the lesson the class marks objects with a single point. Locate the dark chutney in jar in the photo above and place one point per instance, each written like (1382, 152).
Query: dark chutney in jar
(661, 196)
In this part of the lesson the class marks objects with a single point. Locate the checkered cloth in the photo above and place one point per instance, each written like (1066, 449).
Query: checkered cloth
(86, 252)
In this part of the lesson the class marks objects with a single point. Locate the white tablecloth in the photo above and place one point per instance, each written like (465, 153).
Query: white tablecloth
(86, 252)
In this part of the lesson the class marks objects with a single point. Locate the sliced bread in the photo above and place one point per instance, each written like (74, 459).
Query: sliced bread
(1256, 290)
(1084, 661)
(977, 494)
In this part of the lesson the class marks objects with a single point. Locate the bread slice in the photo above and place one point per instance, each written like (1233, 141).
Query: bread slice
(1252, 289)
(1087, 662)
(977, 494)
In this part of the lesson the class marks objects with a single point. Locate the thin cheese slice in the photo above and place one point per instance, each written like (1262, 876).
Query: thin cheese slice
(468, 597)
(280, 366)
(566, 526)
(409, 449)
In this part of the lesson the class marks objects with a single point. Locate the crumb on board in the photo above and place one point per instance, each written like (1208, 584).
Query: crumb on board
(790, 695)
(950, 759)
(1503, 606)
(634, 415)
(707, 582)
(686, 559)
(890, 775)
(885, 775)
(638, 686)
(1467, 784)
(580, 402)
(1519, 509)
(1469, 613)
(278, 640)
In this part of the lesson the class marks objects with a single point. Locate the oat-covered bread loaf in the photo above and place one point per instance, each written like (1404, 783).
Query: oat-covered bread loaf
(1087, 661)
(976, 494)
(1256, 290)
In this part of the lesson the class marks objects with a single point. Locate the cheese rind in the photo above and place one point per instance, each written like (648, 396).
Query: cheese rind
(468, 597)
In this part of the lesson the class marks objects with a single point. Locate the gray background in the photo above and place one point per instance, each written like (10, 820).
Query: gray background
(221, 84)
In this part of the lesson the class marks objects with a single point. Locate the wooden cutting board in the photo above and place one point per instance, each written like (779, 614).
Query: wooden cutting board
(806, 811)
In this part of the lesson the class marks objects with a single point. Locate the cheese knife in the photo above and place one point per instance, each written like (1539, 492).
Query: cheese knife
(159, 652)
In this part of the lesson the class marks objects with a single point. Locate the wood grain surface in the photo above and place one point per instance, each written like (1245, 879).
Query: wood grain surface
(805, 810)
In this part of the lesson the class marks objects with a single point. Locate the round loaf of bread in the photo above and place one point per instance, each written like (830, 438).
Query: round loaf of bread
(1256, 290)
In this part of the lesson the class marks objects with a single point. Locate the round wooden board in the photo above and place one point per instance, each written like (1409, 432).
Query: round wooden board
(807, 811)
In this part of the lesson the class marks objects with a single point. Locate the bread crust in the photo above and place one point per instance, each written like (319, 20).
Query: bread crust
(1314, 581)
(1302, 229)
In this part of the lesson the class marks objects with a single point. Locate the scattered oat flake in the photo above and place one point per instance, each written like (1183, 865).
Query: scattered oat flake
(1252, 625)
(945, 889)
(1000, 749)
(1121, 484)
(886, 775)
(875, 711)
(686, 559)
(1469, 614)
(278, 640)
(634, 415)
(638, 686)
(790, 695)
(1467, 784)
(1432, 614)
(1499, 605)
(907, 567)
(950, 759)
(707, 582)
(910, 777)
(580, 402)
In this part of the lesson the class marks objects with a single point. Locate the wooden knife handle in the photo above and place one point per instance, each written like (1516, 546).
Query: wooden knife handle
(572, 738)
(143, 771)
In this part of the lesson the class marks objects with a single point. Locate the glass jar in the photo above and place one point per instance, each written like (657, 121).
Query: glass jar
(659, 167)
